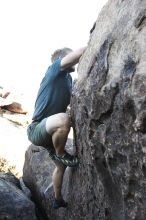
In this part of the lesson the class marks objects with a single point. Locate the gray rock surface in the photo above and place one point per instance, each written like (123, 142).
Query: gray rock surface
(109, 112)
(9, 177)
(14, 205)
(37, 176)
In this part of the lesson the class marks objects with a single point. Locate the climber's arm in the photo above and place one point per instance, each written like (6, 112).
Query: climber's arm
(72, 58)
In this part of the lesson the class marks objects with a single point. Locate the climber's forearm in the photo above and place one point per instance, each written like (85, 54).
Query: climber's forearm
(72, 58)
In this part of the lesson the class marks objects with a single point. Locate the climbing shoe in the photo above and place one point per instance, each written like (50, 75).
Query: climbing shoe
(68, 160)
(59, 203)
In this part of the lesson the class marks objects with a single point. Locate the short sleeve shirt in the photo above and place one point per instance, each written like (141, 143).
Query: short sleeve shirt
(54, 93)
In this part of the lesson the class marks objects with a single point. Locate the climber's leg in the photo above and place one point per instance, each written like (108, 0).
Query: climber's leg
(58, 126)
(57, 185)
(52, 133)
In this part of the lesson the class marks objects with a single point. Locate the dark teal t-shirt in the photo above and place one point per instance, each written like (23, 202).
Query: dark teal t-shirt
(54, 93)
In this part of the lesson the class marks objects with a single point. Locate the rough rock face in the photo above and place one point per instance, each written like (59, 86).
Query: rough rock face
(109, 113)
(37, 175)
(14, 205)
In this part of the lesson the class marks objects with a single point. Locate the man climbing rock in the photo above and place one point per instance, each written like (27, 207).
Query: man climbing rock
(50, 123)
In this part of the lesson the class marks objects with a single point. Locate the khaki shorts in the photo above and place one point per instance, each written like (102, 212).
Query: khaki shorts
(38, 135)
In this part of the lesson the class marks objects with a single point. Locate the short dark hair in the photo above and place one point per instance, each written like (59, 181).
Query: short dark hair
(60, 53)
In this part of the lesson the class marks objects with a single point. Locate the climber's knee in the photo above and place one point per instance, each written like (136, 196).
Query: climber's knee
(60, 121)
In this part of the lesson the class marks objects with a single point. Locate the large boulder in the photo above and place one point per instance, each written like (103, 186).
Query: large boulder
(37, 176)
(109, 113)
(14, 205)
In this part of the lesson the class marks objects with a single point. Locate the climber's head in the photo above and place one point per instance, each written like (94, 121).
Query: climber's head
(60, 53)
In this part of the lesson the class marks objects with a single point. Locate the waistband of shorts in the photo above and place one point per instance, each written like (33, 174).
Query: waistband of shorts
(35, 121)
